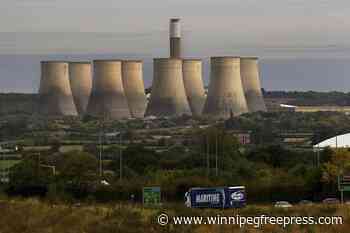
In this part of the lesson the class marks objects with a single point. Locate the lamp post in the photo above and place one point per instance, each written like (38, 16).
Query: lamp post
(208, 152)
(216, 155)
(100, 154)
(120, 157)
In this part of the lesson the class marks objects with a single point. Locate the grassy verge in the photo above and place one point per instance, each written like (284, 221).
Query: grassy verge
(34, 216)
(5, 164)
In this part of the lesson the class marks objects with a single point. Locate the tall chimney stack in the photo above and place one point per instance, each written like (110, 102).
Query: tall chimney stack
(175, 38)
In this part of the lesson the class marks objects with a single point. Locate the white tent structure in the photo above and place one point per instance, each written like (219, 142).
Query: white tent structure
(340, 141)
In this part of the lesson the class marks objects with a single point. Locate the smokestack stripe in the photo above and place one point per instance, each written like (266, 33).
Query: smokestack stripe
(175, 38)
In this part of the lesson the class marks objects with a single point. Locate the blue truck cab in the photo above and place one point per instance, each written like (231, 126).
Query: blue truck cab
(218, 197)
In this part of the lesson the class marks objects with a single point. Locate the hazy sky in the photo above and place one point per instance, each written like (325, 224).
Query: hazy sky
(303, 44)
(278, 28)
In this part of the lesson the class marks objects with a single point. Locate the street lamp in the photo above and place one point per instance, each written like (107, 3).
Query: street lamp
(120, 157)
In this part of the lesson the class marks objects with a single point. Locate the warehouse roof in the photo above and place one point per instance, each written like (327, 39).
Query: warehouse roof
(340, 141)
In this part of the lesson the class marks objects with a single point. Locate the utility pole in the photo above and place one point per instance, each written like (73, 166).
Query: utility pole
(216, 155)
(340, 188)
(336, 142)
(3, 175)
(208, 161)
(317, 160)
(120, 157)
(38, 171)
(318, 155)
(100, 151)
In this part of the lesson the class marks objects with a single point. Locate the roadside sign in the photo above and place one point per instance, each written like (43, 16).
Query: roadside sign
(346, 179)
(343, 185)
(151, 195)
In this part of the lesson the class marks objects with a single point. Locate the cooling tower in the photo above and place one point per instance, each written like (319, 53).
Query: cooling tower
(80, 77)
(225, 94)
(134, 88)
(251, 84)
(107, 98)
(175, 38)
(192, 76)
(168, 97)
(55, 95)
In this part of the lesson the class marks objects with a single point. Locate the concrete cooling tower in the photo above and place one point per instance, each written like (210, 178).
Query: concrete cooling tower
(80, 77)
(175, 38)
(251, 84)
(192, 76)
(55, 95)
(107, 98)
(225, 94)
(134, 88)
(168, 97)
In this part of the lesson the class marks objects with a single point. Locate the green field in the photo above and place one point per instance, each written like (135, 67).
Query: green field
(5, 164)
(67, 148)
(36, 148)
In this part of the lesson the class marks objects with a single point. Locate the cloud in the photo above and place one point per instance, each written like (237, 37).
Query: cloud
(90, 25)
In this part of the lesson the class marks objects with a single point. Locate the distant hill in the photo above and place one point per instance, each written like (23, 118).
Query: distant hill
(18, 103)
(310, 98)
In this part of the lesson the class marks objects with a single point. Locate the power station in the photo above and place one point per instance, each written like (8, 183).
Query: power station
(132, 76)
(168, 97)
(175, 38)
(80, 77)
(114, 89)
(55, 95)
(107, 98)
(225, 94)
(251, 84)
(192, 76)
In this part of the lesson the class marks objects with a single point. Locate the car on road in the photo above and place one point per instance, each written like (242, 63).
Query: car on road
(331, 201)
(305, 202)
(282, 204)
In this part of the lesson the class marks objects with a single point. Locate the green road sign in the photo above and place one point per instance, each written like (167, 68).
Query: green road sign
(345, 188)
(151, 195)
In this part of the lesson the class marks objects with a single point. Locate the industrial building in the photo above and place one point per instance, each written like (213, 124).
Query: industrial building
(80, 77)
(132, 76)
(321, 108)
(168, 97)
(339, 141)
(55, 95)
(251, 84)
(115, 89)
(193, 82)
(108, 98)
(225, 95)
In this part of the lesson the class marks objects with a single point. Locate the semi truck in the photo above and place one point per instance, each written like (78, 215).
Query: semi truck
(219, 197)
